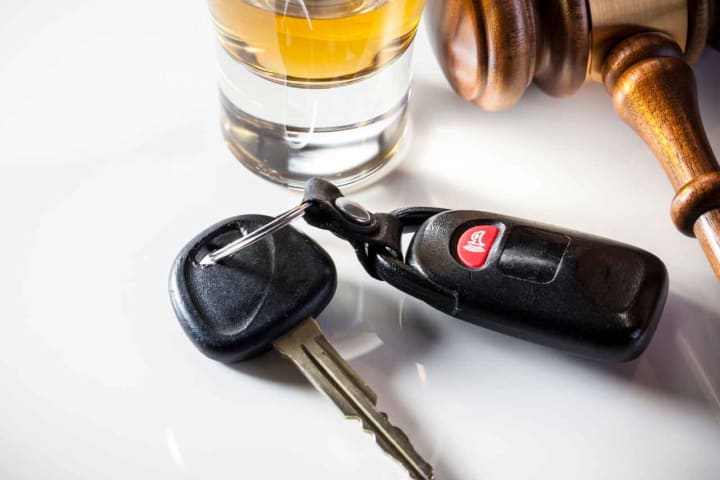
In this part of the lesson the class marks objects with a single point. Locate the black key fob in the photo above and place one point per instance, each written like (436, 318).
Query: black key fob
(576, 292)
(235, 309)
(583, 294)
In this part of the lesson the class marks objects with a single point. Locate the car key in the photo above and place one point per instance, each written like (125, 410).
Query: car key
(266, 296)
(586, 295)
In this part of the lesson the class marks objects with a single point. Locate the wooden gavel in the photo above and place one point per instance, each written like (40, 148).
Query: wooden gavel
(491, 50)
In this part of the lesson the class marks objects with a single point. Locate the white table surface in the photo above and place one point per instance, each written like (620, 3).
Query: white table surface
(111, 159)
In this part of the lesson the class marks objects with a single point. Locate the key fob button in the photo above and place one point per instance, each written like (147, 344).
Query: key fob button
(474, 245)
(533, 254)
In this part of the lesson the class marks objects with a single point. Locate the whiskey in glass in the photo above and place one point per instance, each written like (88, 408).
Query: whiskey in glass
(315, 87)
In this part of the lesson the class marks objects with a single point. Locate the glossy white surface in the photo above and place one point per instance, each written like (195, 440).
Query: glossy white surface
(111, 159)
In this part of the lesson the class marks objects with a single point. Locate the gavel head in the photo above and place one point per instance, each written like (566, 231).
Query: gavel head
(491, 50)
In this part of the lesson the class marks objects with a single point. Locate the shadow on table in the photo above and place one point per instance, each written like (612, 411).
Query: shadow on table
(372, 329)
(683, 358)
(359, 321)
(707, 72)
(366, 320)
(367, 326)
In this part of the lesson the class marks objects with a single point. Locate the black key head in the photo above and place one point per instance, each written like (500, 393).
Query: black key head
(235, 309)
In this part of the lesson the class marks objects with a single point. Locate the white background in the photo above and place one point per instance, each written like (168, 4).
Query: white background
(111, 159)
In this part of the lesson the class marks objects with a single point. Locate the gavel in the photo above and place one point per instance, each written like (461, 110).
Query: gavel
(641, 50)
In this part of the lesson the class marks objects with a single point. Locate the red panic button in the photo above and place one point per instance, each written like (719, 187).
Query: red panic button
(475, 244)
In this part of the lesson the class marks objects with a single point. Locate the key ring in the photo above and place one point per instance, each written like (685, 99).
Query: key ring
(278, 223)
(378, 232)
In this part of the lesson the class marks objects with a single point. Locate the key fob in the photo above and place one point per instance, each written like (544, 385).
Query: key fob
(235, 309)
(576, 292)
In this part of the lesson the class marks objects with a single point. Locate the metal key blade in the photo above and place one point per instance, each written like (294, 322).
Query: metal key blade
(308, 348)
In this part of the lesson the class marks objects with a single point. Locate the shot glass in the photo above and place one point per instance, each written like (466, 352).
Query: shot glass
(315, 87)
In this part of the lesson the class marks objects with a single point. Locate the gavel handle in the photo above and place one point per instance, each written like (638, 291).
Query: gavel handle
(654, 91)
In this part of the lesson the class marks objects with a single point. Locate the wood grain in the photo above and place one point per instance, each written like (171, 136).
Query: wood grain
(699, 18)
(564, 46)
(490, 51)
(486, 48)
(654, 91)
(511, 43)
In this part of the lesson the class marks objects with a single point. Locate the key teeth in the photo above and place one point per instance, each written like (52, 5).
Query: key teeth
(306, 346)
(428, 472)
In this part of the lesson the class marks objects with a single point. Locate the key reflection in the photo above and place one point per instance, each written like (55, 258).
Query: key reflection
(175, 450)
(422, 375)
(703, 379)
(370, 321)
(385, 338)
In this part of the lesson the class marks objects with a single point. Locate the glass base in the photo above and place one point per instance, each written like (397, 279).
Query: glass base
(290, 155)
(289, 134)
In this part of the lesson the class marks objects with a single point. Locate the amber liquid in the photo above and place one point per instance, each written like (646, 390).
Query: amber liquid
(315, 42)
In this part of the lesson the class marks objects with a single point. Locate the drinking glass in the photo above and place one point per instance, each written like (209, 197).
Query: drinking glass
(315, 87)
